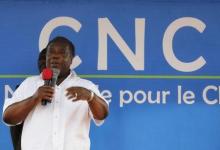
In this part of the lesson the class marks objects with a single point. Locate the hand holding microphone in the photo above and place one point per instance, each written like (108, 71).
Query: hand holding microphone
(45, 93)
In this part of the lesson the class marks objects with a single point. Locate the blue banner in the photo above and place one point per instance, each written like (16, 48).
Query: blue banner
(157, 63)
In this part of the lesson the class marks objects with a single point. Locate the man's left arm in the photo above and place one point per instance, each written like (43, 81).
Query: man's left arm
(97, 105)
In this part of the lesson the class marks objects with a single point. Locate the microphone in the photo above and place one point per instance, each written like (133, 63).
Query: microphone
(56, 73)
(50, 78)
(47, 76)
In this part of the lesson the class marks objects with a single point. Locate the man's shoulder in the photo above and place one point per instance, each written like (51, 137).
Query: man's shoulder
(34, 78)
(81, 81)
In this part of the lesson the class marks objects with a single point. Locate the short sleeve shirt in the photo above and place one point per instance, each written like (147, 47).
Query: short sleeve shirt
(60, 125)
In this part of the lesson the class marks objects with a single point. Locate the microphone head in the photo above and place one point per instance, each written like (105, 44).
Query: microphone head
(47, 74)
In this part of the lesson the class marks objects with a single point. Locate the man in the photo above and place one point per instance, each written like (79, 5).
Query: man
(64, 123)
(17, 130)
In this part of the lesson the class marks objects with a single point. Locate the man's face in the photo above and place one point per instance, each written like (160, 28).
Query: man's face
(59, 56)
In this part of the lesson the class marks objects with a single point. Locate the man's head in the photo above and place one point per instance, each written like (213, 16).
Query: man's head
(42, 60)
(60, 52)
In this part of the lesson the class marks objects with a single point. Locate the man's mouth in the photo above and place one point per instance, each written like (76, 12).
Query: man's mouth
(55, 65)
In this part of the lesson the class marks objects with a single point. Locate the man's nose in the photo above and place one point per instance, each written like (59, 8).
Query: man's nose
(55, 57)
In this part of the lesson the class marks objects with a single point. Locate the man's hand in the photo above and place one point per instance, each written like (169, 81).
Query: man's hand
(17, 112)
(78, 93)
(97, 105)
(43, 92)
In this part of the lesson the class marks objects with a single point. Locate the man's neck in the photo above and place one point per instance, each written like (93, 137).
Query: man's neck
(61, 78)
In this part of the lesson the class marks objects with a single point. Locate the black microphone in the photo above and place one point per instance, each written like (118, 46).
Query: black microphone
(50, 79)
(56, 73)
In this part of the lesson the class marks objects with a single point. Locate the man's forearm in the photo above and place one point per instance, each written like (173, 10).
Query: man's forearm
(99, 108)
(17, 112)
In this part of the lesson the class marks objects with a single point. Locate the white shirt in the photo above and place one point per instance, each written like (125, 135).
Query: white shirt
(60, 125)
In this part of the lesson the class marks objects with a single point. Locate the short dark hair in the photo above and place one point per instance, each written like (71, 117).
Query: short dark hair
(42, 54)
(42, 60)
(63, 40)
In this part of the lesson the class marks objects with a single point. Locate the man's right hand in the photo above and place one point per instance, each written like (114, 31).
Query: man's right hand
(43, 92)
(17, 112)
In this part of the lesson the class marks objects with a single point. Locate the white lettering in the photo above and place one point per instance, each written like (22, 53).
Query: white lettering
(123, 100)
(105, 29)
(8, 92)
(107, 95)
(168, 44)
(205, 92)
(188, 97)
(142, 94)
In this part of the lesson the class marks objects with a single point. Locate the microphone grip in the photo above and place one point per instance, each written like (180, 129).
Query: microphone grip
(45, 101)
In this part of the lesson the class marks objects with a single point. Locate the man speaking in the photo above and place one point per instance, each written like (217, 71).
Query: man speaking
(63, 123)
